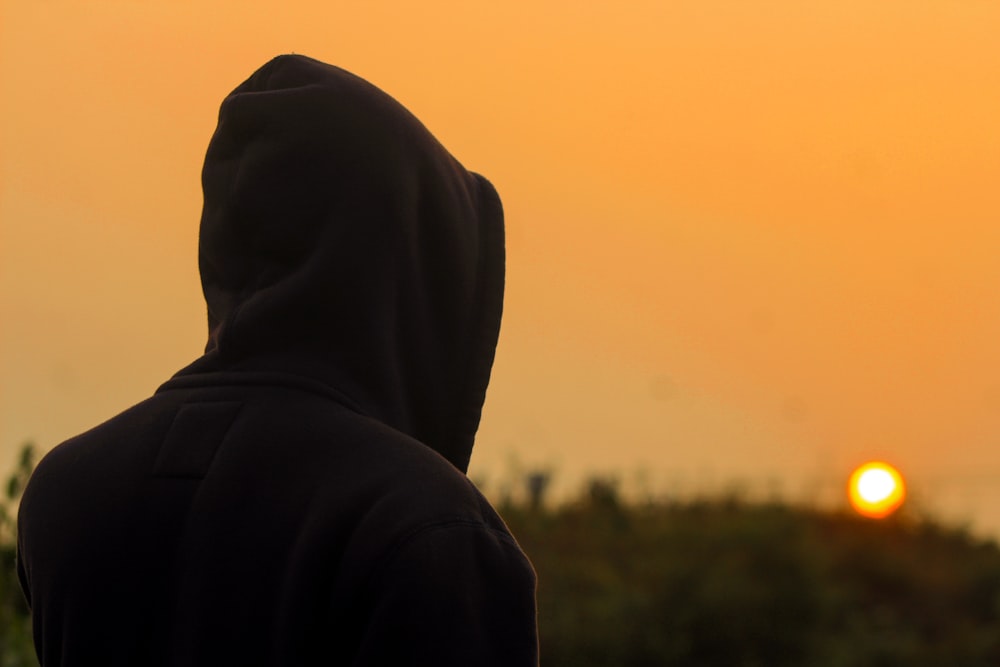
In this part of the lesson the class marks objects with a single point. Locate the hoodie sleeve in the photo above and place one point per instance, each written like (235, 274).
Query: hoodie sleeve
(457, 593)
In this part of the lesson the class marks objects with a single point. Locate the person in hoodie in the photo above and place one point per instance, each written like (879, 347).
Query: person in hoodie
(297, 496)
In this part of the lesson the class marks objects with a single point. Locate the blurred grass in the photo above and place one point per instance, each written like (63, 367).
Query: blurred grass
(727, 583)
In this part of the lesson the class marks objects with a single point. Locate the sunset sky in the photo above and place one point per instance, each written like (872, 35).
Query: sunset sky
(747, 241)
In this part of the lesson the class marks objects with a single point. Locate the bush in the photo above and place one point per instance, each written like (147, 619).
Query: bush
(16, 649)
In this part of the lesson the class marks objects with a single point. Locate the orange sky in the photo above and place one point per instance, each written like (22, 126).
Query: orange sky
(747, 240)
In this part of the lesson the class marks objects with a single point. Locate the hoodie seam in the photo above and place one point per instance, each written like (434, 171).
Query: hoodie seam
(268, 379)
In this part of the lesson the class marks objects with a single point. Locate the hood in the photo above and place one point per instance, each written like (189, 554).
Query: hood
(341, 242)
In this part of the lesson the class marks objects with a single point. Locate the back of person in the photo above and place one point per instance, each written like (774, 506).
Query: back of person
(297, 494)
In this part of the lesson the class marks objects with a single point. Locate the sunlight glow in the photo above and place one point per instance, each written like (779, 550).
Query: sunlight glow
(876, 489)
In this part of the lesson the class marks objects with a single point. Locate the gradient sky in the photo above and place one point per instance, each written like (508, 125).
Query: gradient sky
(746, 240)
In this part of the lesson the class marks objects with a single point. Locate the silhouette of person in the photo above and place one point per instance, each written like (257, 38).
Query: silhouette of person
(296, 495)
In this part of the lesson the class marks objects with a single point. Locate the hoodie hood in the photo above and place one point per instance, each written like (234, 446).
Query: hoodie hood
(342, 243)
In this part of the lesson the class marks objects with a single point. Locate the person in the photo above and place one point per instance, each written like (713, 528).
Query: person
(296, 495)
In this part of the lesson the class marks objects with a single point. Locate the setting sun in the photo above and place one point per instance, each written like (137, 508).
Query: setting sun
(876, 489)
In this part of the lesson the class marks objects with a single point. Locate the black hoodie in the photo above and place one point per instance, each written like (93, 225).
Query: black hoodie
(297, 495)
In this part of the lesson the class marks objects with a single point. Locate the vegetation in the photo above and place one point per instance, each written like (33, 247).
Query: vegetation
(733, 584)
(713, 583)
(16, 649)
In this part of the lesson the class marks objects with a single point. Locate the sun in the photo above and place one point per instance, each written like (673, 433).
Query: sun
(876, 489)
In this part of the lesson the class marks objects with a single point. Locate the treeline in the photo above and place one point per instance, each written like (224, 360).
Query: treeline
(727, 583)
(713, 583)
